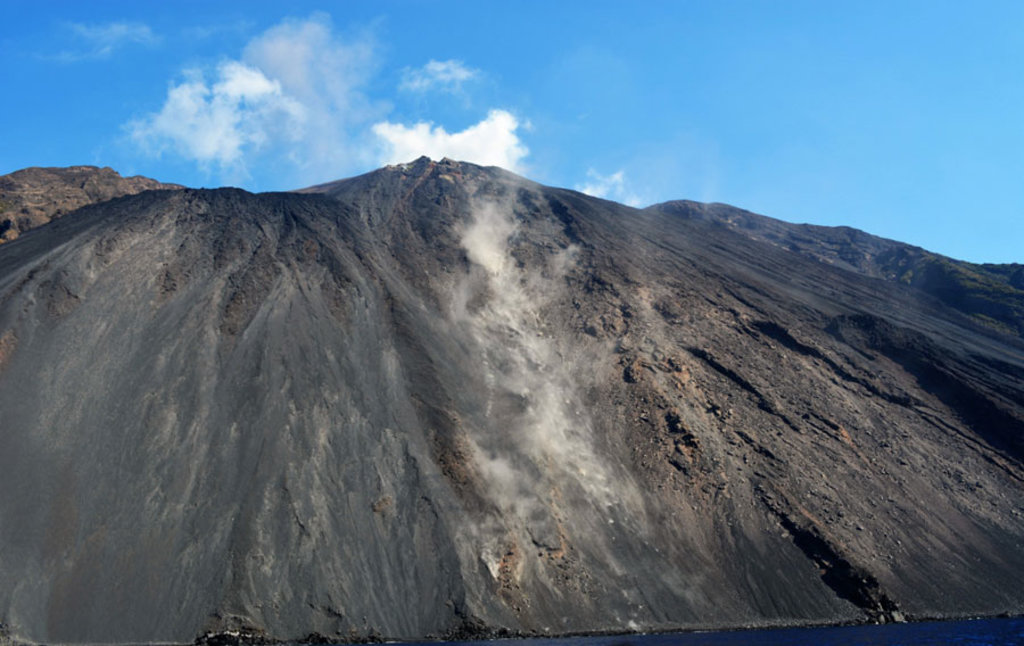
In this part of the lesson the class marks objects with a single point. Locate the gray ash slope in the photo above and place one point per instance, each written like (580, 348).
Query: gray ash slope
(992, 294)
(439, 399)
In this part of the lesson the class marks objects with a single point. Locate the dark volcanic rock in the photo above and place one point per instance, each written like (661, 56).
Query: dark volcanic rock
(33, 196)
(991, 294)
(439, 399)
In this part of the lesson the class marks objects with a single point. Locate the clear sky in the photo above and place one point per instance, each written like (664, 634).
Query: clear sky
(905, 119)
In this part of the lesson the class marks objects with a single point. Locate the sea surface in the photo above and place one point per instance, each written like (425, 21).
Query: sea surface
(977, 632)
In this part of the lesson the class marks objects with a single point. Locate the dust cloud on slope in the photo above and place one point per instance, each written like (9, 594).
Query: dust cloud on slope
(534, 440)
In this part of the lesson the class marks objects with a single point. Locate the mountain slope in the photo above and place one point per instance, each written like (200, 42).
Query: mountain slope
(992, 294)
(440, 399)
(32, 197)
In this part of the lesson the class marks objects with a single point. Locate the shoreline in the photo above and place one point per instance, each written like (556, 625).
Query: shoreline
(482, 634)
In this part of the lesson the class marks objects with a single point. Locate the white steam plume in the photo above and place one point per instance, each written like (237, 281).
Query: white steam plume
(610, 187)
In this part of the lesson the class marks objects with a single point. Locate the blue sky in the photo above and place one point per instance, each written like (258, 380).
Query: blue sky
(905, 119)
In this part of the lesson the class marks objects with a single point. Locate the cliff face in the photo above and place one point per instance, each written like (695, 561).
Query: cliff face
(439, 399)
(33, 196)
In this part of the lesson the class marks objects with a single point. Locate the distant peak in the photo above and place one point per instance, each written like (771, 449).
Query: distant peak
(33, 196)
(424, 162)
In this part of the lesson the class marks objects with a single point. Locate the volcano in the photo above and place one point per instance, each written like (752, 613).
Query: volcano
(441, 400)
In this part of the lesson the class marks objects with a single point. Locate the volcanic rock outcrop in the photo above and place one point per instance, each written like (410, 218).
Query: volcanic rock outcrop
(31, 197)
(442, 400)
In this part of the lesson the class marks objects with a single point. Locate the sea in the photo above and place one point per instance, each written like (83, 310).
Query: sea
(976, 632)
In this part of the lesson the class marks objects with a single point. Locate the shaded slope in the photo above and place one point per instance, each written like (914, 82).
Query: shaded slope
(440, 399)
(992, 294)
(32, 197)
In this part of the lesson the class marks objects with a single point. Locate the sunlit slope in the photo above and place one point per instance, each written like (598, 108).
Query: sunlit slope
(440, 399)
(31, 197)
(991, 294)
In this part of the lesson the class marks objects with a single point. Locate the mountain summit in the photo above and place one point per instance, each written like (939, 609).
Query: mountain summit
(442, 400)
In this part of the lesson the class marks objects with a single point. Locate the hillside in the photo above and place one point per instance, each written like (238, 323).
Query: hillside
(992, 294)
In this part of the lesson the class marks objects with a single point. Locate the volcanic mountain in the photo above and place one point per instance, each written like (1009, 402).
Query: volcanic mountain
(443, 400)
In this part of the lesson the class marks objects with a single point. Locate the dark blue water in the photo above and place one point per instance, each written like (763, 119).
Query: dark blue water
(979, 632)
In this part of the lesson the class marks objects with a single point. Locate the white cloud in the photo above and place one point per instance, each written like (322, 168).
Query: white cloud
(609, 187)
(294, 100)
(100, 40)
(492, 142)
(442, 75)
(215, 123)
(293, 108)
